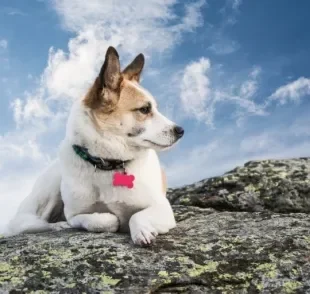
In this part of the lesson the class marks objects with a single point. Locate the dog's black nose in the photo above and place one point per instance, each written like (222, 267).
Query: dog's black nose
(179, 131)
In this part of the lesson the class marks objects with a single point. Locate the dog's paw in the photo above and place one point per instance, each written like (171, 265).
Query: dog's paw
(103, 222)
(144, 236)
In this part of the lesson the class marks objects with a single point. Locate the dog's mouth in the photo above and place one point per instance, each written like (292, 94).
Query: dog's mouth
(158, 145)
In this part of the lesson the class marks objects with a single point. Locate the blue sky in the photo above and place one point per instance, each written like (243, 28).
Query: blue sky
(234, 73)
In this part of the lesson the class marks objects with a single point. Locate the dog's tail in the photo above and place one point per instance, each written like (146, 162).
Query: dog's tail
(26, 223)
(43, 209)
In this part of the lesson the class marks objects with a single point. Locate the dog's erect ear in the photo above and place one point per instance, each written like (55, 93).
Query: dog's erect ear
(105, 92)
(110, 73)
(134, 69)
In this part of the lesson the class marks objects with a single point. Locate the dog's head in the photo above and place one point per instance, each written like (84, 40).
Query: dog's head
(120, 106)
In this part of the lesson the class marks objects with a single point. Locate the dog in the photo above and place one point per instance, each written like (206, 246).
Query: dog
(107, 176)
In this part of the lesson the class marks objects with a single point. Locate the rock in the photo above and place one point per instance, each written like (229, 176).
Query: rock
(276, 185)
(210, 251)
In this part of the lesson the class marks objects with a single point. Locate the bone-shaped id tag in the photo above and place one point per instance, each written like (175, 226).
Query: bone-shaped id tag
(122, 179)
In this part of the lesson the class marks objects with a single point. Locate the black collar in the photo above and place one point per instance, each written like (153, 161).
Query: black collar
(99, 162)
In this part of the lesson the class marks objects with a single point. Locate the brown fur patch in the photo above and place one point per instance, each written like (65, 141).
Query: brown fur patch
(106, 113)
(101, 98)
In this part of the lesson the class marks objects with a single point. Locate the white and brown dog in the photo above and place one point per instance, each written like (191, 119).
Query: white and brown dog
(108, 176)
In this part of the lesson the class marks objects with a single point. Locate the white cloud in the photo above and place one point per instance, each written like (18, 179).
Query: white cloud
(235, 4)
(15, 12)
(32, 109)
(195, 91)
(223, 46)
(293, 91)
(131, 27)
(230, 11)
(199, 97)
(3, 44)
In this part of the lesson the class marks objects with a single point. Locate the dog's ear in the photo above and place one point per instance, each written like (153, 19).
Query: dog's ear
(110, 73)
(106, 89)
(134, 69)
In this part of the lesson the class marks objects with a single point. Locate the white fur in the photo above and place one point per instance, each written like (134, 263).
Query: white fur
(90, 200)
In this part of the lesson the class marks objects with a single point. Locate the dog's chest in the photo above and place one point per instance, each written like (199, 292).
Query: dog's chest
(123, 201)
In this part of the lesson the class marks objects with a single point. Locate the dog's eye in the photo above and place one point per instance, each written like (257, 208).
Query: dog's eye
(145, 109)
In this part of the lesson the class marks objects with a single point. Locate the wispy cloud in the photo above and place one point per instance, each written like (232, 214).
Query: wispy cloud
(223, 46)
(3, 44)
(33, 108)
(230, 11)
(292, 92)
(200, 97)
(11, 11)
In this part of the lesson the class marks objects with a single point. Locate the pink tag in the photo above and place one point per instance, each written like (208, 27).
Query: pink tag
(121, 179)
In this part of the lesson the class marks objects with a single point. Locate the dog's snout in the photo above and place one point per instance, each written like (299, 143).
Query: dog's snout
(178, 131)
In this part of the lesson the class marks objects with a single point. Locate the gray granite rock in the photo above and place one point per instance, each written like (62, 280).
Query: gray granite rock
(276, 185)
(210, 251)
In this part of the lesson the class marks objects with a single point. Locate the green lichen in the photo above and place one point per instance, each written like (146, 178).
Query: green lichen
(11, 274)
(4, 267)
(198, 270)
(250, 188)
(259, 250)
(183, 259)
(291, 286)
(109, 281)
(307, 238)
(163, 274)
(205, 248)
(185, 200)
(260, 286)
(268, 269)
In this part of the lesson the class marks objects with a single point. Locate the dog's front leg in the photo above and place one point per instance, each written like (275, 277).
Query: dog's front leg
(95, 222)
(81, 198)
(146, 224)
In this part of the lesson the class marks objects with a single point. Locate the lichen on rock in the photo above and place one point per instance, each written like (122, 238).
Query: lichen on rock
(276, 185)
(212, 250)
